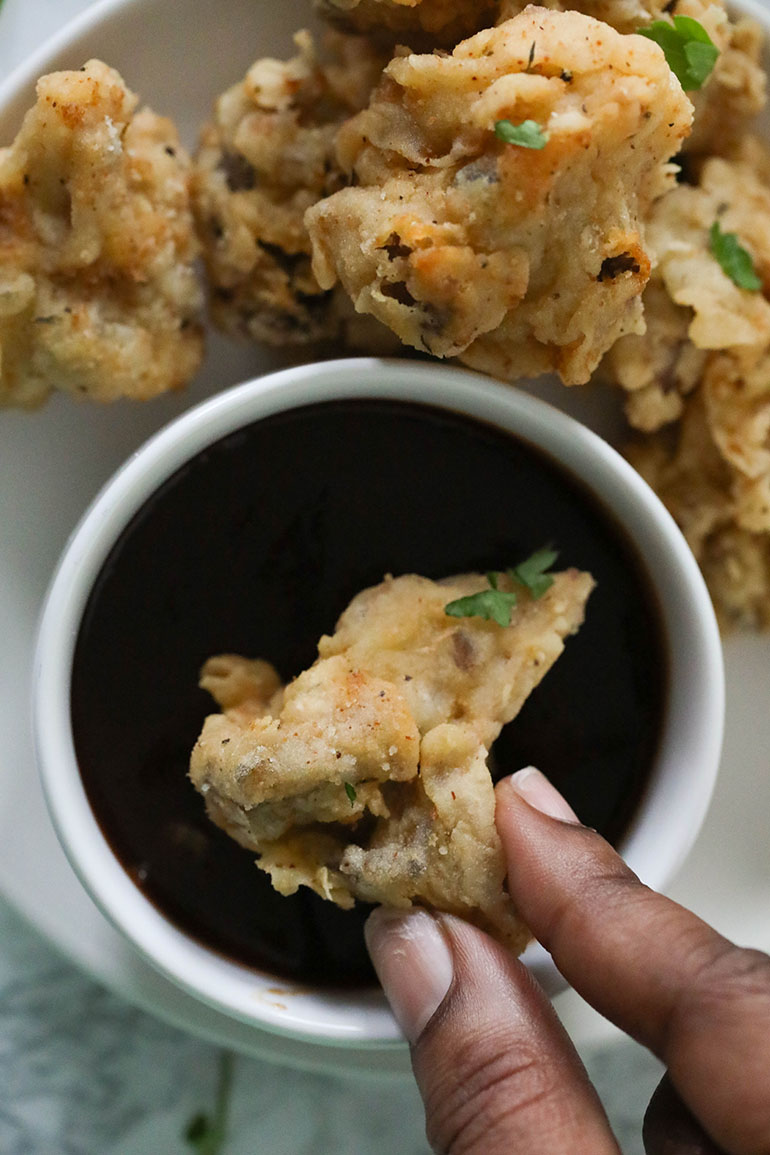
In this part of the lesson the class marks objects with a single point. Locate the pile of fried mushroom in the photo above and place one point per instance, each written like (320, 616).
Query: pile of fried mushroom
(574, 190)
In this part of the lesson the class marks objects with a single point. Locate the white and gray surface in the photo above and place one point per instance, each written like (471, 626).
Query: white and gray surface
(83, 1072)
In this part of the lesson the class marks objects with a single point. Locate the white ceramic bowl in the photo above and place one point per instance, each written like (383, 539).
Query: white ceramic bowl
(681, 782)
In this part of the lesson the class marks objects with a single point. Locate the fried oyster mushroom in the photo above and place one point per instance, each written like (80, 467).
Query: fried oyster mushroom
(698, 380)
(366, 777)
(98, 292)
(516, 259)
(723, 510)
(736, 90)
(692, 306)
(266, 156)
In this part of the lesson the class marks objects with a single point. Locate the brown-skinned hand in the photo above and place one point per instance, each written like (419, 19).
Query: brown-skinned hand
(496, 1070)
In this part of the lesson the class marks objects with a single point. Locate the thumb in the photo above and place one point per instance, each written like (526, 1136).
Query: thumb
(494, 1066)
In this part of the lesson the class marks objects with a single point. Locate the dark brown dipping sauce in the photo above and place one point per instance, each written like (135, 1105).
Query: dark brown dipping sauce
(256, 547)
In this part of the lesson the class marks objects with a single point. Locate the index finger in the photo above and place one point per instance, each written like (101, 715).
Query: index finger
(659, 972)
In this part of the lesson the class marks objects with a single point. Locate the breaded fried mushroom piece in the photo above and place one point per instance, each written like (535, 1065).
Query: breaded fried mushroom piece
(698, 380)
(692, 306)
(98, 292)
(736, 90)
(518, 258)
(721, 500)
(265, 157)
(366, 777)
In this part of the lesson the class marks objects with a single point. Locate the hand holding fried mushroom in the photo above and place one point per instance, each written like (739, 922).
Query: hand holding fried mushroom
(366, 777)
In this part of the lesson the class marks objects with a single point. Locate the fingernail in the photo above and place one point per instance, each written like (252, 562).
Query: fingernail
(413, 962)
(535, 789)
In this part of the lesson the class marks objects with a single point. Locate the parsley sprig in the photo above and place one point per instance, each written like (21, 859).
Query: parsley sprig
(532, 571)
(496, 605)
(736, 262)
(206, 1134)
(528, 134)
(689, 50)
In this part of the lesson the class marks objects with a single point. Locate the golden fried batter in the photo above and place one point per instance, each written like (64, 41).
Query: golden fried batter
(691, 305)
(98, 294)
(366, 777)
(518, 260)
(622, 15)
(704, 364)
(266, 157)
(736, 89)
(713, 472)
(723, 508)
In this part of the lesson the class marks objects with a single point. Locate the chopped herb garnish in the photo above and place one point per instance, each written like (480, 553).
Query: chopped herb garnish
(205, 1133)
(531, 573)
(689, 50)
(528, 134)
(350, 790)
(736, 262)
(493, 605)
(496, 605)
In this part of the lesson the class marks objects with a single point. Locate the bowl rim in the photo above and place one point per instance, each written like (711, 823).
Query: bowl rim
(676, 798)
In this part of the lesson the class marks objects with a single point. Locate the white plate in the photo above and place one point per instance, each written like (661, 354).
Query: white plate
(178, 56)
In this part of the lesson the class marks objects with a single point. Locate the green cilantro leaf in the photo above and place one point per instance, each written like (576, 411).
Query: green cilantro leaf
(528, 134)
(531, 573)
(493, 605)
(350, 790)
(496, 605)
(207, 1134)
(689, 50)
(736, 262)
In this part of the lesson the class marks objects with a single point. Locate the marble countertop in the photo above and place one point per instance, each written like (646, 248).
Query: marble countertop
(82, 1072)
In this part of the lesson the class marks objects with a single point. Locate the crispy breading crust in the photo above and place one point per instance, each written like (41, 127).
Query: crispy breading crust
(98, 292)
(691, 305)
(737, 88)
(263, 160)
(516, 260)
(704, 363)
(366, 777)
